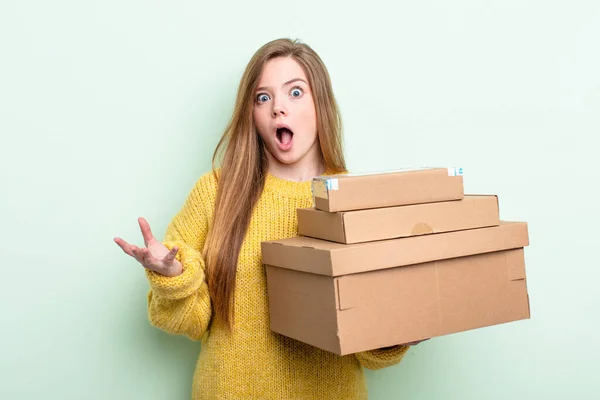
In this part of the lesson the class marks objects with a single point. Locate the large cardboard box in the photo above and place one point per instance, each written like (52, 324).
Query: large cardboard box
(351, 298)
(360, 191)
(401, 221)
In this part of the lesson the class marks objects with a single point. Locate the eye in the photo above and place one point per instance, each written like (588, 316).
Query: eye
(261, 98)
(296, 92)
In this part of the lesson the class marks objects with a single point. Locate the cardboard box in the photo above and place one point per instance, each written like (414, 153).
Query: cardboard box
(402, 221)
(348, 192)
(351, 298)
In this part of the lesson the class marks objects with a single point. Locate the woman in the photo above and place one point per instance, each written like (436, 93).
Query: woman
(207, 280)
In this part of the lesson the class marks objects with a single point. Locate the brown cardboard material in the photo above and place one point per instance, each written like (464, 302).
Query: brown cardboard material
(351, 298)
(356, 192)
(335, 259)
(402, 221)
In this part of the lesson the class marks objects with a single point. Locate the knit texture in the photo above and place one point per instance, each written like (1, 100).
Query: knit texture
(252, 362)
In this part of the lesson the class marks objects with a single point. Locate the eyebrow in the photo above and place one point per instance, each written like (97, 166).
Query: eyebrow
(285, 84)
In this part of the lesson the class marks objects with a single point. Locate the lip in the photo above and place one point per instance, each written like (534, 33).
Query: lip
(279, 126)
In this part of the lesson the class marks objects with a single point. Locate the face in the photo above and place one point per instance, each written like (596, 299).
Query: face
(284, 113)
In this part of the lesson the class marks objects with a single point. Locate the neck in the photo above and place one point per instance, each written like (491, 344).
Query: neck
(303, 170)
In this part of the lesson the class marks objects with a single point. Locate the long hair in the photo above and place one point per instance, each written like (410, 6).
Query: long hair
(244, 165)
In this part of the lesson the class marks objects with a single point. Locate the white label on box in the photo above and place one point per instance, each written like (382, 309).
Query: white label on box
(322, 185)
(332, 184)
(455, 171)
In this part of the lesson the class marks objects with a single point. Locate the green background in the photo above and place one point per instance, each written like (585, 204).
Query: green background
(110, 110)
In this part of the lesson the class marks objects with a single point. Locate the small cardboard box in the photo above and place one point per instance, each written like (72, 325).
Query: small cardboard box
(348, 192)
(401, 221)
(351, 298)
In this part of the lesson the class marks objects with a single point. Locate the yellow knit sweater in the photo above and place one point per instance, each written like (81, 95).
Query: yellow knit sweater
(252, 362)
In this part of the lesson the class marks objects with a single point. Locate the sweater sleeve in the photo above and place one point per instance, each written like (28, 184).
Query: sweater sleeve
(181, 304)
(381, 358)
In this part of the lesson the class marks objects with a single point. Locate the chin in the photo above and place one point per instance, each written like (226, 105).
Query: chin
(287, 159)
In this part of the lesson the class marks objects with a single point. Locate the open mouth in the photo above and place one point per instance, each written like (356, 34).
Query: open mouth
(284, 138)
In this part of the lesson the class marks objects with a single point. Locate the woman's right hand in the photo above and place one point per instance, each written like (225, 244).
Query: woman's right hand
(155, 256)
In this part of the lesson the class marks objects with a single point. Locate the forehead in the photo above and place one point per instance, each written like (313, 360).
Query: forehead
(279, 70)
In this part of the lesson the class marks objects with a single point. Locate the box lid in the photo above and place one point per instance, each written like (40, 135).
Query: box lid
(346, 192)
(473, 211)
(335, 259)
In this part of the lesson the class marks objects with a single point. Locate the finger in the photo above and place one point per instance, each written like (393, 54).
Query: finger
(126, 247)
(150, 261)
(171, 255)
(138, 254)
(146, 231)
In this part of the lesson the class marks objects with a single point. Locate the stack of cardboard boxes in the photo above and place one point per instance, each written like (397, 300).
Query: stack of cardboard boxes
(390, 258)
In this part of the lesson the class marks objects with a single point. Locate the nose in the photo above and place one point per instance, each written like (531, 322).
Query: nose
(278, 110)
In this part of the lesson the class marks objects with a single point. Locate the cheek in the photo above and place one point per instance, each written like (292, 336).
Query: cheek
(260, 121)
(309, 116)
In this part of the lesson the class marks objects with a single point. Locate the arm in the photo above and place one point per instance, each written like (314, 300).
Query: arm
(381, 358)
(181, 304)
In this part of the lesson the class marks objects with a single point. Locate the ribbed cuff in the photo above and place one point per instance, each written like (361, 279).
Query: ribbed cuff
(381, 358)
(181, 286)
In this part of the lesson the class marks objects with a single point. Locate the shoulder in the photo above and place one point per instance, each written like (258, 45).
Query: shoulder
(207, 183)
(203, 194)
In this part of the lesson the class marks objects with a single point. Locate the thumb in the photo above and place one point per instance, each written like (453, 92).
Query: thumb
(170, 257)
